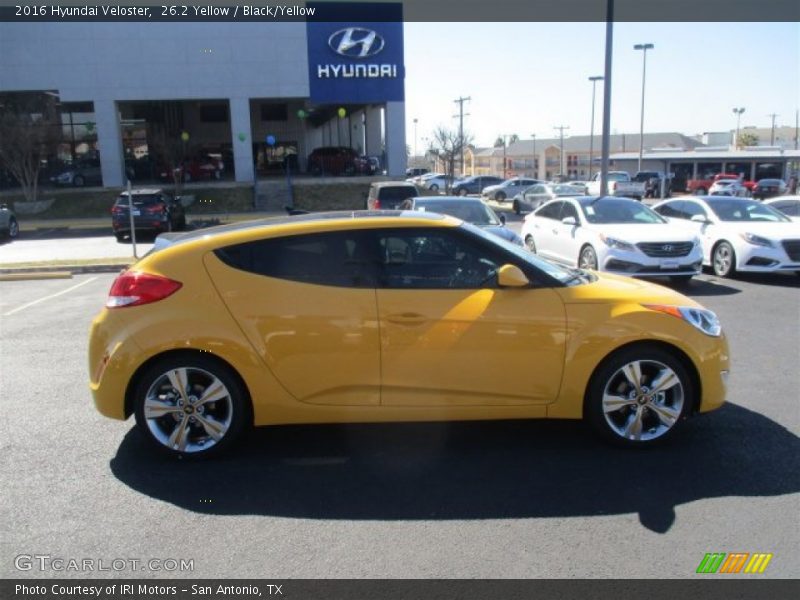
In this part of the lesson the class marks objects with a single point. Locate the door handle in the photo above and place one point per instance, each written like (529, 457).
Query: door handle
(406, 318)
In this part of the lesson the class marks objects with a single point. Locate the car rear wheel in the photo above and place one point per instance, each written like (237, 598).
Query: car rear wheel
(191, 406)
(530, 244)
(587, 258)
(13, 228)
(516, 207)
(639, 396)
(434, 187)
(120, 237)
(462, 192)
(723, 260)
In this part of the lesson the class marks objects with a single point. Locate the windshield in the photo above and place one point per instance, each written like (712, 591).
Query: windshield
(567, 190)
(471, 211)
(558, 273)
(745, 210)
(618, 210)
(613, 176)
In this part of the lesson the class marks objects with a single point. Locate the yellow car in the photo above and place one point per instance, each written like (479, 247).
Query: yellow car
(390, 316)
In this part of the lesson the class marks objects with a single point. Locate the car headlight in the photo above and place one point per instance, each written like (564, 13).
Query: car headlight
(756, 240)
(618, 244)
(700, 318)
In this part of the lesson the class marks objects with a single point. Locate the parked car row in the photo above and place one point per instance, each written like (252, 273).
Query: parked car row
(675, 238)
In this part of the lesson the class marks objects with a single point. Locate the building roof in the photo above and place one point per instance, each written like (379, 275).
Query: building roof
(618, 143)
(710, 154)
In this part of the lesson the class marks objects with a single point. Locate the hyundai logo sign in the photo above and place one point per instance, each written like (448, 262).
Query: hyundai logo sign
(356, 42)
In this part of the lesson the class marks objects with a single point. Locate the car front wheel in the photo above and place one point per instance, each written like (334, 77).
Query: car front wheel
(723, 260)
(530, 244)
(13, 228)
(639, 396)
(191, 406)
(587, 258)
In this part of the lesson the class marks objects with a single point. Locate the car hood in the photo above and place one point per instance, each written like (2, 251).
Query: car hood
(500, 231)
(614, 289)
(771, 231)
(652, 232)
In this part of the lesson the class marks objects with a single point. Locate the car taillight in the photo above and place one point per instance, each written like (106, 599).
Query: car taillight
(377, 204)
(116, 210)
(154, 210)
(132, 288)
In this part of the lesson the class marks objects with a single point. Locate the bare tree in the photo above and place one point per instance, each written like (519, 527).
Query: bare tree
(29, 131)
(449, 145)
(172, 151)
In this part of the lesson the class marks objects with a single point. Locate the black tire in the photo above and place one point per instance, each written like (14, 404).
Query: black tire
(517, 210)
(120, 237)
(658, 415)
(723, 260)
(587, 259)
(78, 181)
(530, 244)
(434, 187)
(13, 228)
(500, 196)
(700, 191)
(462, 192)
(231, 414)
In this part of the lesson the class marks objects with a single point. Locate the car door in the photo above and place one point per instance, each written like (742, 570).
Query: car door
(450, 336)
(544, 228)
(564, 244)
(307, 305)
(535, 196)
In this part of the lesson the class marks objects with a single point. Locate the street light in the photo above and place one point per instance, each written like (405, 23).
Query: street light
(535, 170)
(594, 81)
(644, 48)
(415, 138)
(738, 112)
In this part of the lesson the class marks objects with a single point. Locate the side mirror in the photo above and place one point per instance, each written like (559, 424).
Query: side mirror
(700, 219)
(503, 219)
(511, 276)
(569, 221)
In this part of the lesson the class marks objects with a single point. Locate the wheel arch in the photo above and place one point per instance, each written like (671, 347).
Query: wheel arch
(133, 382)
(679, 354)
(714, 249)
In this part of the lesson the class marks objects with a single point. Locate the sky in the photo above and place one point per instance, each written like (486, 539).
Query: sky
(526, 78)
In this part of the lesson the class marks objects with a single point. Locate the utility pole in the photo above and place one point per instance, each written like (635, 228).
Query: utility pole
(561, 129)
(738, 112)
(772, 135)
(460, 115)
(607, 98)
(644, 48)
(415, 138)
(535, 163)
(594, 81)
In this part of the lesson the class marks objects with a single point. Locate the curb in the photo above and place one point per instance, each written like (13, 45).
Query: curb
(60, 272)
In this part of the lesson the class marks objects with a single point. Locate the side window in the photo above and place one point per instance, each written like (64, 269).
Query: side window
(550, 211)
(341, 259)
(568, 210)
(435, 258)
(536, 189)
(691, 209)
(671, 209)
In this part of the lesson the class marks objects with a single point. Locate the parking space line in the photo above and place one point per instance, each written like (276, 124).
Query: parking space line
(50, 297)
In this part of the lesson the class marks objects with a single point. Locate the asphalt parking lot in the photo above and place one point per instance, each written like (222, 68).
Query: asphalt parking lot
(474, 500)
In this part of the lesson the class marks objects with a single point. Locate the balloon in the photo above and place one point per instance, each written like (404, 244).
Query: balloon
(185, 136)
(242, 137)
(301, 113)
(342, 112)
(271, 140)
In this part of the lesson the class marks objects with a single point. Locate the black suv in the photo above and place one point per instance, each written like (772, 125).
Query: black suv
(153, 210)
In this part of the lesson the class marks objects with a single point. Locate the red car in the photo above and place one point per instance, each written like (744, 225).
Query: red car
(700, 187)
(199, 168)
(334, 160)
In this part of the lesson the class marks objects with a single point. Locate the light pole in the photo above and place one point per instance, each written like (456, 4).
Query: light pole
(594, 81)
(415, 138)
(561, 129)
(738, 112)
(535, 170)
(644, 48)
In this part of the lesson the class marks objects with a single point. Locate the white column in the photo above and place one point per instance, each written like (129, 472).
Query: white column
(242, 150)
(109, 139)
(396, 139)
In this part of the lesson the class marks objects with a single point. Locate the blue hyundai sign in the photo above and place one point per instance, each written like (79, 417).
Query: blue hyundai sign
(358, 60)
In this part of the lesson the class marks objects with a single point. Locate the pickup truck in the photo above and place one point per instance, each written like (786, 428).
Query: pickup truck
(700, 187)
(619, 184)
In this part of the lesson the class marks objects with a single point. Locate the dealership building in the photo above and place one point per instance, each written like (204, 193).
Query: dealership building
(250, 93)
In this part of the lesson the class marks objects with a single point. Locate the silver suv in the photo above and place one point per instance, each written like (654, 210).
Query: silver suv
(389, 195)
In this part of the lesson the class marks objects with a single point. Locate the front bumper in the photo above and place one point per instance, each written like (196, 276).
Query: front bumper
(761, 259)
(638, 264)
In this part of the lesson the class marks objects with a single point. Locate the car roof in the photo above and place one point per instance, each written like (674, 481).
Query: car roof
(244, 231)
(383, 184)
(143, 192)
(449, 198)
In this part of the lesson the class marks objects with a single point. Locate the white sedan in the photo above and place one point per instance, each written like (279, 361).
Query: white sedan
(738, 234)
(612, 234)
(727, 187)
(788, 205)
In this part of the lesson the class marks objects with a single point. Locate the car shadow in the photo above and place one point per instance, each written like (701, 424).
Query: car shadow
(774, 279)
(703, 287)
(478, 470)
